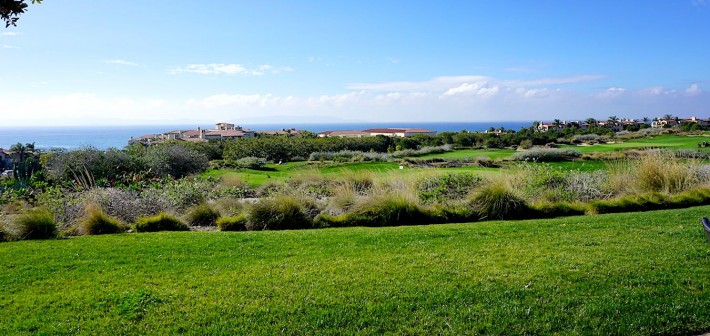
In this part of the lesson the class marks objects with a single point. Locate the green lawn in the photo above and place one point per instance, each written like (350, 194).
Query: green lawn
(473, 153)
(255, 178)
(662, 141)
(638, 273)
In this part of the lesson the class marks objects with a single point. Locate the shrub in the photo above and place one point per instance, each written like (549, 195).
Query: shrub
(497, 201)
(281, 213)
(182, 193)
(237, 223)
(546, 155)
(174, 160)
(96, 222)
(202, 215)
(447, 187)
(127, 205)
(160, 222)
(387, 210)
(36, 223)
(249, 162)
(664, 173)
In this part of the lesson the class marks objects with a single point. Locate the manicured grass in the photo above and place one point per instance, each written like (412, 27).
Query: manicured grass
(255, 178)
(473, 153)
(639, 273)
(661, 141)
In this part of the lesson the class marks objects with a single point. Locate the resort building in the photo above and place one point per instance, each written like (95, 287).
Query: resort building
(391, 132)
(221, 131)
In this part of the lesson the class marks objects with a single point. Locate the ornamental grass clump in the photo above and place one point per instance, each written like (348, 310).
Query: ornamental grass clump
(160, 222)
(236, 223)
(663, 173)
(37, 223)
(387, 210)
(441, 188)
(496, 200)
(97, 222)
(202, 215)
(281, 213)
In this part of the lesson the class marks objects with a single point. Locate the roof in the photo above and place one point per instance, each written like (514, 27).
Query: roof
(225, 133)
(194, 139)
(384, 130)
(191, 133)
(352, 132)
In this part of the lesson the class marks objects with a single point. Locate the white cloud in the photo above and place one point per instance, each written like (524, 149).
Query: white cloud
(693, 90)
(612, 92)
(121, 62)
(10, 34)
(451, 98)
(230, 69)
(7, 46)
(476, 89)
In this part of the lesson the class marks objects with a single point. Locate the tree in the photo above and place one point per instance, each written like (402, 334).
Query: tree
(591, 121)
(10, 10)
(21, 151)
(613, 119)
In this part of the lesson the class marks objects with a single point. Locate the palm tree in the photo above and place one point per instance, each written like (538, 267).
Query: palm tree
(21, 151)
(645, 119)
(591, 121)
(667, 117)
(613, 119)
(557, 123)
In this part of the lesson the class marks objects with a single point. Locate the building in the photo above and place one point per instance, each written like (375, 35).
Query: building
(343, 134)
(5, 160)
(399, 132)
(221, 131)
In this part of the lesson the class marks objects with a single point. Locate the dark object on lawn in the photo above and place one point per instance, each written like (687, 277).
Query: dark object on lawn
(706, 226)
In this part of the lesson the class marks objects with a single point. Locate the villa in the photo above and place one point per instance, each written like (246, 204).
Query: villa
(221, 131)
(391, 132)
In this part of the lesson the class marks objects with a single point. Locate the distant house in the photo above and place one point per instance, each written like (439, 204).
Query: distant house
(221, 131)
(391, 132)
(283, 131)
(343, 134)
(5, 160)
(399, 132)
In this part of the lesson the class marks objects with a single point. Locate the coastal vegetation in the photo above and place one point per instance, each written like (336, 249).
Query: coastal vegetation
(301, 181)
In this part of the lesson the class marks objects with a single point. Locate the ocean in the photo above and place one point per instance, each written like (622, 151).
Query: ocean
(104, 137)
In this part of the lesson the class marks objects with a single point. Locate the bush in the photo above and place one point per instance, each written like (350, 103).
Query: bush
(96, 222)
(387, 210)
(664, 173)
(160, 222)
(4, 236)
(237, 223)
(546, 155)
(174, 160)
(36, 223)
(127, 205)
(281, 213)
(497, 201)
(447, 187)
(250, 162)
(202, 215)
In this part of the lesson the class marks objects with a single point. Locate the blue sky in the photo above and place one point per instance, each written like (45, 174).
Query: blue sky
(77, 62)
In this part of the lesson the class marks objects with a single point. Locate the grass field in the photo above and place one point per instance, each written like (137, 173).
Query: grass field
(272, 173)
(640, 273)
(661, 141)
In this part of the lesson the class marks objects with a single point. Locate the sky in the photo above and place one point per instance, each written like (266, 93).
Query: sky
(87, 62)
